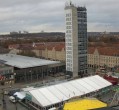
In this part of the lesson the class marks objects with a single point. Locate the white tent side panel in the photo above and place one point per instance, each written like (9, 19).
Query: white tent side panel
(48, 95)
(57, 93)
(71, 88)
(90, 82)
(64, 90)
(86, 85)
(81, 88)
(53, 94)
(106, 83)
(40, 98)
(98, 82)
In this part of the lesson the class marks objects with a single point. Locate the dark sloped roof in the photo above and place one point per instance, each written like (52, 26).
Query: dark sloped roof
(106, 108)
(110, 51)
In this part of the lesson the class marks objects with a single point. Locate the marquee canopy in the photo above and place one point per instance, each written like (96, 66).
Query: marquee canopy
(53, 94)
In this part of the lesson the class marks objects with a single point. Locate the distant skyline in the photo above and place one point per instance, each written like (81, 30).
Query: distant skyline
(49, 15)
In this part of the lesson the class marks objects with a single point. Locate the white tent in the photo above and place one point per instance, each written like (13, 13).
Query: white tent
(20, 95)
(50, 95)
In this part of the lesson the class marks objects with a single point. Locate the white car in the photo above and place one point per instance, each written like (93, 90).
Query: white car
(12, 99)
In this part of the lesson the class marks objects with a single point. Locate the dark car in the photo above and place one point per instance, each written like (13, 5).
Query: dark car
(11, 92)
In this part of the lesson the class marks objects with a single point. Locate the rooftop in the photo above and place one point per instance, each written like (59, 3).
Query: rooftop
(24, 62)
(66, 90)
(109, 51)
(70, 5)
(58, 46)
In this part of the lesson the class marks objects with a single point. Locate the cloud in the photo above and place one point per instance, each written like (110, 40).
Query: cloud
(48, 15)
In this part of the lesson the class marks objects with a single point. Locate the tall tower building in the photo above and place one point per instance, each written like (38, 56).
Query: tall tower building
(76, 40)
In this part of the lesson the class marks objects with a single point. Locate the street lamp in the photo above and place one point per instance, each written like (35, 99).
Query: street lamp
(3, 100)
(15, 96)
(3, 97)
(14, 77)
(94, 68)
(30, 74)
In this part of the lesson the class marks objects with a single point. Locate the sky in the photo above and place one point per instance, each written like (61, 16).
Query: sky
(49, 15)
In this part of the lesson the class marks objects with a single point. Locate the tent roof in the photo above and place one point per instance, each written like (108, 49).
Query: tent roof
(53, 94)
(20, 95)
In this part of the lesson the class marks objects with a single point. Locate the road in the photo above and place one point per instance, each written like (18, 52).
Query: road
(11, 106)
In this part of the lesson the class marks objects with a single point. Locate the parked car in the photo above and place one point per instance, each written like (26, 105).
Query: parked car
(11, 93)
(12, 99)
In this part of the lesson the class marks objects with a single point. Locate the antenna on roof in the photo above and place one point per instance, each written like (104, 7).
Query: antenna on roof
(70, 2)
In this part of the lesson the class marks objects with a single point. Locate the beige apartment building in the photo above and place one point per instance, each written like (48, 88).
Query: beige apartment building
(103, 56)
(53, 51)
(97, 56)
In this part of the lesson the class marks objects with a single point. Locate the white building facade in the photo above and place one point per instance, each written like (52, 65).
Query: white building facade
(76, 40)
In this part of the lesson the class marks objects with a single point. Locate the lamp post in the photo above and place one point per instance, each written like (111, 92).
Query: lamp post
(14, 76)
(3, 100)
(15, 101)
(94, 68)
(115, 67)
(31, 75)
(94, 64)
(106, 65)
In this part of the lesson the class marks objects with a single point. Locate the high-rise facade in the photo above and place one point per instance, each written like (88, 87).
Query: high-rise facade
(76, 40)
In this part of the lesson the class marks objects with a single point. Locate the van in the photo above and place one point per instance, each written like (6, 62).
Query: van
(12, 99)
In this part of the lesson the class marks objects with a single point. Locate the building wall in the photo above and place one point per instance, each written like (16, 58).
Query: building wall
(6, 70)
(82, 40)
(68, 40)
(14, 51)
(38, 52)
(101, 60)
(60, 55)
(71, 40)
(76, 40)
(45, 53)
(51, 54)
(93, 58)
(7, 74)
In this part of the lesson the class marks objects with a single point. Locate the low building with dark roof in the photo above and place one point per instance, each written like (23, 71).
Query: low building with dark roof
(30, 68)
(109, 108)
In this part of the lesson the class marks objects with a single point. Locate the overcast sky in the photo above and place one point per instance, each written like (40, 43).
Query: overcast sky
(48, 15)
